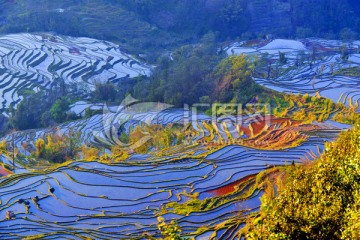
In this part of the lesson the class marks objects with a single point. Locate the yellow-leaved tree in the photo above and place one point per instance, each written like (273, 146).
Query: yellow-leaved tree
(40, 147)
(90, 153)
(319, 200)
(3, 147)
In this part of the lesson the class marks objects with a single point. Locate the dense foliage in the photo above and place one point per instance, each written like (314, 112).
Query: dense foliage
(40, 109)
(148, 25)
(200, 74)
(319, 200)
(182, 77)
(142, 139)
(169, 231)
(57, 148)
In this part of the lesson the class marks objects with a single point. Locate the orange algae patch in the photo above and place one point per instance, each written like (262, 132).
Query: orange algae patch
(259, 124)
(4, 171)
(229, 188)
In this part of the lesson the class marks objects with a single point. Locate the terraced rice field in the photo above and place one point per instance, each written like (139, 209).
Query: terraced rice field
(123, 200)
(118, 201)
(33, 62)
(102, 130)
(328, 74)
(90, 199)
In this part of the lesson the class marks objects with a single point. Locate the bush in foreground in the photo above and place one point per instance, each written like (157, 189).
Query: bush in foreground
(319, 200)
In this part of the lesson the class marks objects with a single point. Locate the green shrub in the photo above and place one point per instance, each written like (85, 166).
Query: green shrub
(170, 231)
(58, 148)
(320, 200)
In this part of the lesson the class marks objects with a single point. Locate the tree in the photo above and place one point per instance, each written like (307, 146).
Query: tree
(46, 119)
(344, 53)
(72, 143)
(59, 110)
(169, 231)
(233, 81)
(105, 92)
(317, 201)
(183, 77)
(90, 153)
(28, 113)
(205, 99)
(39, 110)
(58, 148)
(347, 34)
(40, 147)
(3, 147)
(119, 153)
(282, 58)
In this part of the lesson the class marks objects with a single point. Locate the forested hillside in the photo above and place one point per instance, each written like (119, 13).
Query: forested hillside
(156, 24)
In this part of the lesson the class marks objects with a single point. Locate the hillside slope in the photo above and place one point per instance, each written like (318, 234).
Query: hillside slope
(149, 24)
(44, 61)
